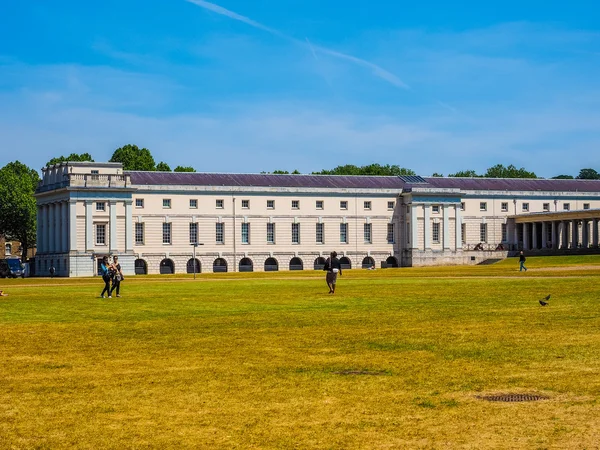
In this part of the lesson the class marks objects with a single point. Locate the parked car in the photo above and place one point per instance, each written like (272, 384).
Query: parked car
(11, 268)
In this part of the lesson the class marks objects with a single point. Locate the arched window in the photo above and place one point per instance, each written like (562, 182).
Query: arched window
(319, 263)
(392, 261)
(296, 264)
(345, 262)
(368, 262)
(220, 265)
(167, 267)
(8, 248)
(246, 265)
(141, 268)
(190, 266)
(271, 265)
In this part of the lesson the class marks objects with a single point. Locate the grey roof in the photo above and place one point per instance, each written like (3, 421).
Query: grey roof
(359, 182)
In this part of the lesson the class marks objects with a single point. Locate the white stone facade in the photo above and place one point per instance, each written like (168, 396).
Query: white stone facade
(88, 210)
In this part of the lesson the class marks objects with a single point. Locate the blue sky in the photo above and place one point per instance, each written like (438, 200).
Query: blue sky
(240, 86)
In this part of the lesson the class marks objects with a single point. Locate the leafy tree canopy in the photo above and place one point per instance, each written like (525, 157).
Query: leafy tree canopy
(71, 157)
(499, 171)
(371, 169)
(563, 177)
(464, 174)
(134, 158)
(437, 175)
(18, 209)
(588, 174)
(184, 169)
(163, 167)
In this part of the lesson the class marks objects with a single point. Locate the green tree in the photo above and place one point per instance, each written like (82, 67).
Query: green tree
(563, 177)
(71, 157)
(465, 174)
(184, 169)
(371, 169)
(296, 172)
(134, 158)
(588, 174)
(499, 171)
(437, 175)
(280, 172)
(163, 167)
(18, 209)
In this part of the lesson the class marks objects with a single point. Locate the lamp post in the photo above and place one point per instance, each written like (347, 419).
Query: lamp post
(195, 244)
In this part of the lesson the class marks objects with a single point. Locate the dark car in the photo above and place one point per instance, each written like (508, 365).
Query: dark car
(11, 268)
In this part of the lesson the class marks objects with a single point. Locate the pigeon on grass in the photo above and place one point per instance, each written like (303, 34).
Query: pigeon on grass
(542, 302)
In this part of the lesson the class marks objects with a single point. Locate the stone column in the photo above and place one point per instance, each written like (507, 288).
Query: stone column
(64, 241)
(553, 237)
(427, 228)
(446, 228)
(544, 235)
(89, 226)
(458, 230)
(534, 236)
(595, 233)
(525, 236)
(51, 229)
(574, 234)
(129, 226)
(516, 235)
(113, 226)
(414, 230)
(58, 227)
(585, 239)
(39, 244)
(46, 226)
(72, 225)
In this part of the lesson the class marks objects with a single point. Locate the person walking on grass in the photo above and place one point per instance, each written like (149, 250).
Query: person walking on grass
(522, 260)
(117, 276)
(105, 271)
(333, 268)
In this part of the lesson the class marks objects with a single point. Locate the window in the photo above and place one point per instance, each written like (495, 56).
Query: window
(343, 204)
(320, 233)
(526, 207)
(344, 233)
(166, 203)
(193, 232)
(586, 206)
(295, 233)
(295, 204)
(219, 203)
(435, 209)
(463, 232)
(193, 203)
(100, 234)
(220, 233)
(8, 248)
(319, 204)
(462, 206)
(391, 205)
(566, 206)
(100, 206)
(483, 232)
(435, 232)
(546, 206)
(245, 233)
(504, 207)
(390, 233)
(139, 202)
(95, 174)
(139, 233)
(504, 233)
(367, 205)
(367, 233)
(245, 204)
(270, 204)
(166, 232)
(482, 206)
(270, 233)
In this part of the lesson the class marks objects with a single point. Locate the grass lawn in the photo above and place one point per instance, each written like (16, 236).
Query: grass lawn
(396, 359)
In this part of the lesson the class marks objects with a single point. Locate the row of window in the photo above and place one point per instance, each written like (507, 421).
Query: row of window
(525, 206)
(220, 204)
(483, 232)
(245, 233)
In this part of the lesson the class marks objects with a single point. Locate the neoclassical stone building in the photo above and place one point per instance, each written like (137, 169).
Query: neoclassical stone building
(156, 221)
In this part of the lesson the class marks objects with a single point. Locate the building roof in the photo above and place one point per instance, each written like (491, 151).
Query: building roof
(359, 182)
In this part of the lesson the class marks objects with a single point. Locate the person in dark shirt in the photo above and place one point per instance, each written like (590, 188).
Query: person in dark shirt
(333, 267)
(522, 262)
(117, 276)
(105, 271)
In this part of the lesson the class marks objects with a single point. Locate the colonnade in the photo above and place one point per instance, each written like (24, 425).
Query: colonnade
(556, 234)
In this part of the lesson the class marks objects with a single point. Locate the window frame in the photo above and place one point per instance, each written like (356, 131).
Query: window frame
(367, 233)
(435, 232)
(270, 233)
(245, 203)
(483, 233)
(525, 207)
(343, 233)
(220, 231)
(482, 206)
(219, 203)
(546, 206)
(504, 206)
(270, 204)
(391, 233)
(504, 232)
(193, 231)
(344, 205)
(566, 206)
(295, 204)
(193, 203)
(166, 203)
(586, 206)
(367, 205)
(319, 204)
(320, 233)
(392, 203)
(104, 233)
(435, 209)
(137, 233)
(167, 232)
(295, 233)
(139, 203)
(245, 233)
(100, 206)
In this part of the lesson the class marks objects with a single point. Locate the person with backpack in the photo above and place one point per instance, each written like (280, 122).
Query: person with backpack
(333, 267)
(105, 271)
(117, 276)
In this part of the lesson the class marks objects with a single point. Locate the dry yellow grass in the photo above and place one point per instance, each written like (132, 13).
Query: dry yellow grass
(396, 359)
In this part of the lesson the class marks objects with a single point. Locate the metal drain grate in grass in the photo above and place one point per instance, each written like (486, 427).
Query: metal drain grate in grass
(361, 372)
(512, 397)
